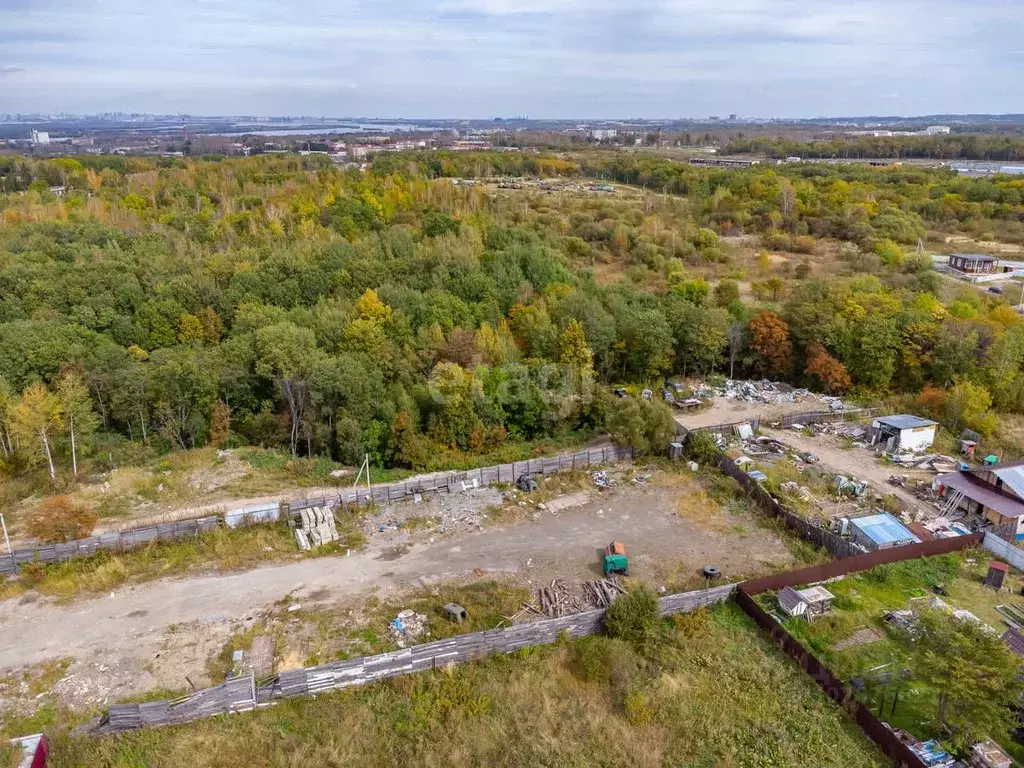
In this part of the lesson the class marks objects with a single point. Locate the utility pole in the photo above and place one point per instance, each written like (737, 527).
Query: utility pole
(365, 466)
(7, 541)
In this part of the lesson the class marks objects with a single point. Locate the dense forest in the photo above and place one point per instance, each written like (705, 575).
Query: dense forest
(951, 146)
(283, 302)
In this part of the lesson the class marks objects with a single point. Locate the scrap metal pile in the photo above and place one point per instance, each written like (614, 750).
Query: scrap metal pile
(765, 391)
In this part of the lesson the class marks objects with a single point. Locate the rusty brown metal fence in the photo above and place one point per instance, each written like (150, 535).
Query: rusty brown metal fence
(862, 562)
(835, 687)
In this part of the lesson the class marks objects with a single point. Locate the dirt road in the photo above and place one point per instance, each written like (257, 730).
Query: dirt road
(153, 634)
(855, 462)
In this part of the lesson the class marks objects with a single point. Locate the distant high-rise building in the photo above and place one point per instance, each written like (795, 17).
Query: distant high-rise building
(40, 138)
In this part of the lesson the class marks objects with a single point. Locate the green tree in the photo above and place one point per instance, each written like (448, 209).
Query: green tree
(634, 618)
(976, 676)
(646, 426)
(288, 355)
(968, 406)
(78, 417)
(37, 417)
(726, 292)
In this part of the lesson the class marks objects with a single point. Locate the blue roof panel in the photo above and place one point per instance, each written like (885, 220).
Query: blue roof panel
(884, 529)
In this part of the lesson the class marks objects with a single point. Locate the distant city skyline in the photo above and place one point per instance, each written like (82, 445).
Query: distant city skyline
(477, 59)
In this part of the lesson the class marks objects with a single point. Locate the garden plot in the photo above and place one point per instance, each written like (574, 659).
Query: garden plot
(878, 634)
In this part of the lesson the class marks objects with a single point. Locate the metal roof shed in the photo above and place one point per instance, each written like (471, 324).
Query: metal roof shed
(791, 602)
(881, 532)
(906, 421)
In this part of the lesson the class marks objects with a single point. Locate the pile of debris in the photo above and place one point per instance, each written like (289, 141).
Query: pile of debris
(757, 392)
(850, 486)
(798, 490)
(408, 625)
(561, 599)
(764, 445)
(840, 429)
(935, 462)
(318, 528)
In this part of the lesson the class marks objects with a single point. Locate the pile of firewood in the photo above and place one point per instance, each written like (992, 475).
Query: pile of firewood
(561, 599)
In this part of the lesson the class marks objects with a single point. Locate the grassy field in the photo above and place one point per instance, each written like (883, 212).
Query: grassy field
(862, 599)
(714, 693)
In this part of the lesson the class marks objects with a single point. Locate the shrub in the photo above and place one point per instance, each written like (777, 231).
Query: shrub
(634, 618)
(638, 711)
(59, 519)
(702, 448)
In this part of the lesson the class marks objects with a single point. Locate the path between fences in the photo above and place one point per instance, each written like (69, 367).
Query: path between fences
(246, 693)
(449, 482)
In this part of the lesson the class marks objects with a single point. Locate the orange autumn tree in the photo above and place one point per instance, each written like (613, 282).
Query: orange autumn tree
(826, 369)
(769, 338)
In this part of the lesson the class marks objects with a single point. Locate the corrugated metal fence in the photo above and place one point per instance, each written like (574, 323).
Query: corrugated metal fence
(272, 513)
(1005, 550)
(242, 694)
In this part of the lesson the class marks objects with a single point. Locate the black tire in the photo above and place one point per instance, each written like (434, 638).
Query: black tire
(711, 572)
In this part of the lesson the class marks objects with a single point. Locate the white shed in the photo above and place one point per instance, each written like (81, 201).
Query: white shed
(791, 602)
(903, 433)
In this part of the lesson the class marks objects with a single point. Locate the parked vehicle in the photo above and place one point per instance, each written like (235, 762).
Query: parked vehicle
(615, 560)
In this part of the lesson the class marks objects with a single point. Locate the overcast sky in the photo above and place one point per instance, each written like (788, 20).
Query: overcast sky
(487, 58)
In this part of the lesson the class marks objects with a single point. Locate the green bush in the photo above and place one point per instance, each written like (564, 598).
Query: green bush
(634, 618)
(702, 448)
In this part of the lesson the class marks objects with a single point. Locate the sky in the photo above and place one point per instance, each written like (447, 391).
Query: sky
(502, 58)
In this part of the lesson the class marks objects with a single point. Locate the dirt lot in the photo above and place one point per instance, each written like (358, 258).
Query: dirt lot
(856, 462)
(155, 635)
(725, 411)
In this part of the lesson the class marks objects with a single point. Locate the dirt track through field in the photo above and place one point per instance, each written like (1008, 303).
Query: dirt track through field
(129, 626)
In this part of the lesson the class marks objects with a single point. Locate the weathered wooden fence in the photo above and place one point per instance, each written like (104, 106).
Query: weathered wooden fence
(723, 429)
(242, 694)
(808, 530)
(788, 420)
(449, 482)
(825, 417)
(136, 537)
(452, 482)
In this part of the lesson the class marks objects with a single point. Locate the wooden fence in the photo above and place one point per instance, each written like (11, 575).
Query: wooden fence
(808, 530)
(242, 694)
(788, 420)
(825, 417)
(450, 482)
